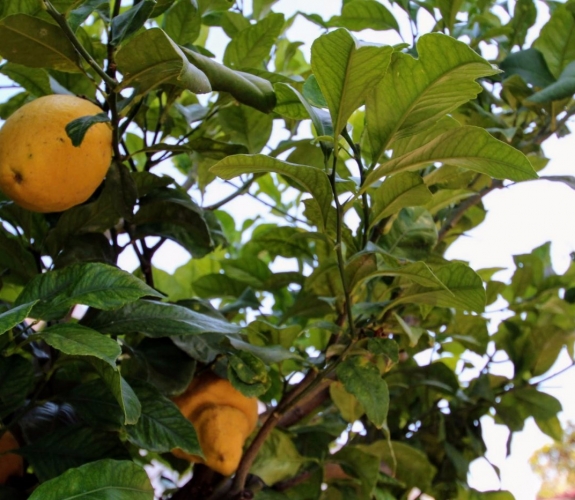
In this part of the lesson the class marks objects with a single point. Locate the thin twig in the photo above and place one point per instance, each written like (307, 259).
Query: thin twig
(61, 20)
(241, 190)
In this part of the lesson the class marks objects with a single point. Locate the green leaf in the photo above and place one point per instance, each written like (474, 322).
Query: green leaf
(411, 466)
(251, 46)
(36, 43)
(417, 272)
(16, 259)
(246, 88)
(348, 405)
(93, 284)
(362, 379)
(278, 459)
(415, 93)
(530, 65)
(359, 15)
(78, 340)
(562, 88)
(406, 189)
(311, 179)
(361, 465)
(158, 319)
(469, 147)
(462, 289)
(101, 480)
(167, 214)
(16, 381)
(96, 405)
(556, 40)
(131, 21)
(412, 235)
(71, 446)
(248, 374)
(161, 426)
(77, 128)
(124, 394)
(247, 126)
(152, 58)
(34, 80)
(78, 15)
(14, 316)
(346, 71)
(182, 22)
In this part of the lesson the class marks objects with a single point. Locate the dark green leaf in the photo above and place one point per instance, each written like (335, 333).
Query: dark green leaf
(124, 394)
(161, 426)
(564, 87)
(16, 259)
(248, 374)
(78, 340)
(158, 319)
(69, 447)
(182, 22)
(93, 284)
(77, 16)
(16, 381)
(15, 316)
(100, 480)
(529, 65)
(77, 128)
(131, 21)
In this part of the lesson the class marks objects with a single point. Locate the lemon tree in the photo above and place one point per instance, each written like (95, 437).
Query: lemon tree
(332, 303)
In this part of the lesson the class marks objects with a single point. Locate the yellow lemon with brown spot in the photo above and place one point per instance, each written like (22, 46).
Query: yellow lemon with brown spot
(40, 168)
(223, 418)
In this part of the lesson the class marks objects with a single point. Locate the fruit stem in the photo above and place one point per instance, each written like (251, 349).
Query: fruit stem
(61, 20)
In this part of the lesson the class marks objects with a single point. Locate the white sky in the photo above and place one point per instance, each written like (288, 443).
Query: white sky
(519, 218)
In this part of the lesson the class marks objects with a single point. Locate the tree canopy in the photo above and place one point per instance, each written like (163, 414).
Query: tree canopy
(337, 309)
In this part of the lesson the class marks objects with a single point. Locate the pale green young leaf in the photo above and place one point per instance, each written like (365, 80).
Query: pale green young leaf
(15, 316)
(556, 40)
(415, 93)
(447, 197)
(36, 43)
(461, 288)
(469, 147)
(346, 71)
(313, 180)
(101, 480)
(78, 340)
(359, 15)
(152, 58)
(362, 379)
(246, 125)
(405, 189)
(350, 408)
(251, 46)
(93, 284)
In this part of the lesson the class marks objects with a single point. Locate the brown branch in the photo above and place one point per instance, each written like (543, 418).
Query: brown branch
(306, 405)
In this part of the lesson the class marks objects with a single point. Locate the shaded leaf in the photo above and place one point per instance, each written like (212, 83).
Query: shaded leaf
(278, 459)
(130, 21)
(77, 128)
(530, 65)
(562, 88)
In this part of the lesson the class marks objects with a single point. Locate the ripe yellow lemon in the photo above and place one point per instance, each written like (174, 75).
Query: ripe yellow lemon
(223, 418)
(40, 168)
(10, 464)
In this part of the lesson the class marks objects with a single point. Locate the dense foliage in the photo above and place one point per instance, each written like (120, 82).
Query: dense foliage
(367, 328)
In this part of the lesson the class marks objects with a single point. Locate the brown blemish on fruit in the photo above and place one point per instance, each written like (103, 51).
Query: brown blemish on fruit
(18, 179)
